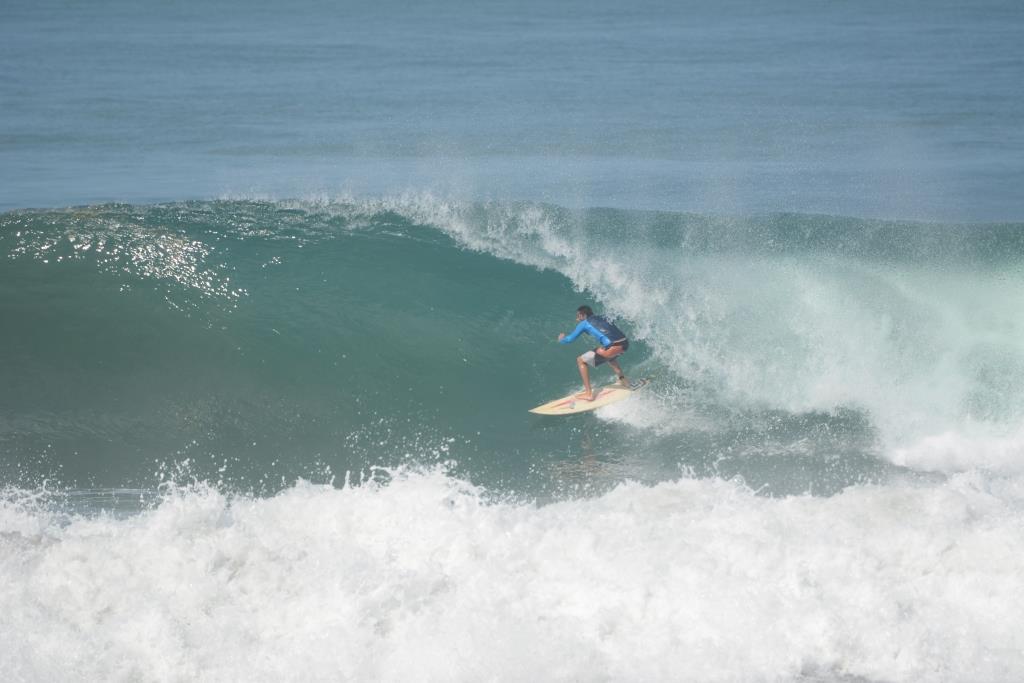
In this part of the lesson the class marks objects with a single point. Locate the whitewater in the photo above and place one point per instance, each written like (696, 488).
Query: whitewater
(422, 579)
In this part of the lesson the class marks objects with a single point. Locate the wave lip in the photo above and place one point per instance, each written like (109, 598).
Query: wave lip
(421, 577)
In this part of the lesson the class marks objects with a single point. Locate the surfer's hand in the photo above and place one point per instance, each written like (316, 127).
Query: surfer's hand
(561, 336)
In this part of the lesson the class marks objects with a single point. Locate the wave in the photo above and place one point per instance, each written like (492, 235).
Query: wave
(823, 482)
(281, 338)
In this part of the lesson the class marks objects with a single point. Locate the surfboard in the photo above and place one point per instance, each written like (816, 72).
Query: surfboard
(605, 396)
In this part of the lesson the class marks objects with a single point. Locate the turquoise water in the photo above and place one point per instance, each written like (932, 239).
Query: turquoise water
(278, 285)
(267, 341)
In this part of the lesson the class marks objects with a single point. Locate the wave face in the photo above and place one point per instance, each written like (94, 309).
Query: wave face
(263, 340)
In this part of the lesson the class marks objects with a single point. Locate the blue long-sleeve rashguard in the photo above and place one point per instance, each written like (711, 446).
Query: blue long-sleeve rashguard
(597, 327)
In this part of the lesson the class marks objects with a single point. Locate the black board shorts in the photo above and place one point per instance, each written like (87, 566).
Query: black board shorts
(593, 359)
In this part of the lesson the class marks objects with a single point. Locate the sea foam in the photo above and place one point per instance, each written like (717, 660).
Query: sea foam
(424, 577)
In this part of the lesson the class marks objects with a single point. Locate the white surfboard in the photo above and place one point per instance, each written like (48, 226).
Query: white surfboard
(606, 395)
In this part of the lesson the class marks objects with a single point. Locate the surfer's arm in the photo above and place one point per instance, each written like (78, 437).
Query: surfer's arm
(571, 337)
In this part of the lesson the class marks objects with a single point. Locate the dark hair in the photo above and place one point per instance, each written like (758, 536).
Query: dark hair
(585, 310)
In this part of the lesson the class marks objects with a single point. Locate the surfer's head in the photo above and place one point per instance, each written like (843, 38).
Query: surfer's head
(584, 312)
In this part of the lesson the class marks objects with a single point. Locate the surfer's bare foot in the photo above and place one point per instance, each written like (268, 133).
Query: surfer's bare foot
(585, 396)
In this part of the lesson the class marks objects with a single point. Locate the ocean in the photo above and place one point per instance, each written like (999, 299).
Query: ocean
(279, 283)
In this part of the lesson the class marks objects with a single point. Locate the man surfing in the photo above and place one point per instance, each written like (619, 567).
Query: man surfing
(613, 343)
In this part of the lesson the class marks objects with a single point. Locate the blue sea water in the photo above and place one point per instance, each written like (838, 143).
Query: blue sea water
(910, 110)
(278, 283)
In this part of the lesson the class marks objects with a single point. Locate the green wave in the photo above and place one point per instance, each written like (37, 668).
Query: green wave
(264, 340)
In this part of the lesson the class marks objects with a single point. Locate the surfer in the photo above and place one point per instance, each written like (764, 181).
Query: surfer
(613, 343)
